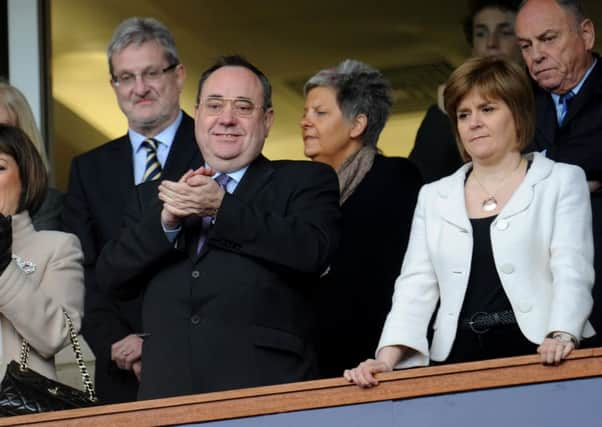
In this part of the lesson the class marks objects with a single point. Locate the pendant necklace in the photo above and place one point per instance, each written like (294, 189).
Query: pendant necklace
(490, 203)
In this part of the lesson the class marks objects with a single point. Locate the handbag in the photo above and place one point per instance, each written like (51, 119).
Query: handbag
(24, 391)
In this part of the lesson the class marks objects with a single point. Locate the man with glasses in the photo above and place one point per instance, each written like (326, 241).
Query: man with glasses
(147, 77)
(228, 255)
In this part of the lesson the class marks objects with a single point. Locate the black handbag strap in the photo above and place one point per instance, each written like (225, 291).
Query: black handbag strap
(88, 385)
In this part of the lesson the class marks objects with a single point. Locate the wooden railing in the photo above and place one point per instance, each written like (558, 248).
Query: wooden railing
(410, 383)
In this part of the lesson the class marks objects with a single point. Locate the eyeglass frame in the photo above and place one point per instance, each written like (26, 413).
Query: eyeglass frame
(231, 101)
(161, 73)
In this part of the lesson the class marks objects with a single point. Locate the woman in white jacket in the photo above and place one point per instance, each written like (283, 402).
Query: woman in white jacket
(504, 245)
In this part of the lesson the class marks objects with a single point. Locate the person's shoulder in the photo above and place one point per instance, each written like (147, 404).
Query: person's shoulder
(99, 151)
(397, 166)
(305, 166)
(568, 171)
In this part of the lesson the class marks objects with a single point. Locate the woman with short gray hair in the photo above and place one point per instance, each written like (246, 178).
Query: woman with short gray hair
(346, 109)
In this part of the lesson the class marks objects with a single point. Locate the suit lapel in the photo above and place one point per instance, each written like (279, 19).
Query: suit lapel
(451, 202)
(117, 171)
(591, 87)
(256, 177)
(184, 153)
(524, 194)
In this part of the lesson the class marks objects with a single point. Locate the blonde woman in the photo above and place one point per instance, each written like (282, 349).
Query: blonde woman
(15, 111)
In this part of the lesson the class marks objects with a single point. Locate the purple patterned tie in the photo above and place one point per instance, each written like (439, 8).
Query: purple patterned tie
(207, 221)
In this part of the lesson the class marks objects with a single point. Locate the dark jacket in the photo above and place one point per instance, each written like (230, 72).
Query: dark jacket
(240, 313)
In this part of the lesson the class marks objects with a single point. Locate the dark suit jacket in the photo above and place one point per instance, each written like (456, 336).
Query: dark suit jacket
(435, 151)
(579, 142)
(355, 296)
(48, 216)
(240, 314)
(101, 184)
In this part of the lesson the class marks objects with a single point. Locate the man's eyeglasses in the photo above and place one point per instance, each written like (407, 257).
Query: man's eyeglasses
(148, 76)
(240, 107)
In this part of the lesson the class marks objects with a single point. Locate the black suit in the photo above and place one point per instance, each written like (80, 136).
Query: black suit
(240, 314)
(579, 141)
(101, 184)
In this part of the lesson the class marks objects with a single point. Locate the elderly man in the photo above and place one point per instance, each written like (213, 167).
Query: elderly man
(556, 40)
(147, 78)
(228, 255)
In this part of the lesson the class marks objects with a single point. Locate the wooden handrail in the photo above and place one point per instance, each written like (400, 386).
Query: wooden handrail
(323, 393)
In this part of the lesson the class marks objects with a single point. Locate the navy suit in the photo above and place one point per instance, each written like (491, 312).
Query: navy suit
(101, 183)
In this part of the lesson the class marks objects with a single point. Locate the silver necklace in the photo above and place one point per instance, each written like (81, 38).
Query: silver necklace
(490, 203)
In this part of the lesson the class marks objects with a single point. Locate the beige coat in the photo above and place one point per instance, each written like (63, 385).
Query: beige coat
(543, 249)
(31, 303)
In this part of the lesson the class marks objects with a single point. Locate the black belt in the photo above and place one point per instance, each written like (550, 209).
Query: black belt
(481, 322)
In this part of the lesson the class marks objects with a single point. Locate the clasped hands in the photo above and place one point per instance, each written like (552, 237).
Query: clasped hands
(194, 194)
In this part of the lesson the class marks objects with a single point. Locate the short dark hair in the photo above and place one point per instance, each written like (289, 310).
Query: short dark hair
(360, 89)
(32, 172)
(476, 6)
(494, 77)
(237, 61)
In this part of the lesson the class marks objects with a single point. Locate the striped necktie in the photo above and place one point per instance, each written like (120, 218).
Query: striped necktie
(153, 170)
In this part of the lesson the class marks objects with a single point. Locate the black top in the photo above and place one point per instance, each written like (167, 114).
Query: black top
(355, 296)
(484, 292)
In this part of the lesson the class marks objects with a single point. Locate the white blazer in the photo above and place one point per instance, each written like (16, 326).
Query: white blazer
(543, 250)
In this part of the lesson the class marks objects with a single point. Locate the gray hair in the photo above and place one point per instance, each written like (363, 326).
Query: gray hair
(137, 31)
(360, 89)
(573, 7)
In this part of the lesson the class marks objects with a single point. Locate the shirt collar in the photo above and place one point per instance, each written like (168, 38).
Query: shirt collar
(578, 86)
(165, 137)
(236, 176)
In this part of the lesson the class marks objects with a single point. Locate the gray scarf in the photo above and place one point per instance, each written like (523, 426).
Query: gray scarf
(354, 169)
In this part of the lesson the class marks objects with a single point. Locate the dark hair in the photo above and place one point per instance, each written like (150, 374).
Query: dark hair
(237, 61)
(476, 6)
(360, 89)
(32, 172)
(495, 78)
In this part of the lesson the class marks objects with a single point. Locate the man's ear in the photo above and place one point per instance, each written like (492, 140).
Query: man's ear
(359, 125)
(588, 33)
(268, 120)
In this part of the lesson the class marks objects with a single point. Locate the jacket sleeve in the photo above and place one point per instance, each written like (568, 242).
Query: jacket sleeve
(127, 263)
(571, 254)
(103, 323)
(416, 294)
(36, 310)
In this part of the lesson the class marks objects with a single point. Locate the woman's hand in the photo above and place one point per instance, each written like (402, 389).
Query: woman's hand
(6, 242)
(363, 375)
(553, 350)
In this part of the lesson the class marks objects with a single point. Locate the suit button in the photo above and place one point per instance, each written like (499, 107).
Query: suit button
(502, 224)
(507, 268)
(524, 306)
(195, 274)
(195, 320)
